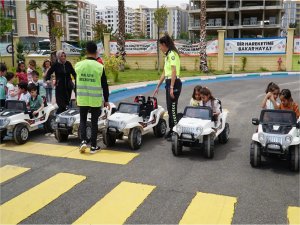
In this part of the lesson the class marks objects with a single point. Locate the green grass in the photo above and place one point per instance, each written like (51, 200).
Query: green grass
(296, 66)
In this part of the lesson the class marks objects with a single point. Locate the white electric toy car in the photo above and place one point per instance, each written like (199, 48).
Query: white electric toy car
(15, 121)
(134, 120)
(278, 133)
(197, 129)
(67, 123)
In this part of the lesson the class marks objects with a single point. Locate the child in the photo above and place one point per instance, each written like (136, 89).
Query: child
(35, 81)
(3, 83)
(208, 100)
(35, 101)
(287, 102)
(23, 93)
(271, 100)
(196, 98)
(47, 84)
(21, 72)
(31, 67)
(12, 94)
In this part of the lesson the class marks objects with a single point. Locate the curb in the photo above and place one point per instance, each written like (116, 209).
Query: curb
(210, 78)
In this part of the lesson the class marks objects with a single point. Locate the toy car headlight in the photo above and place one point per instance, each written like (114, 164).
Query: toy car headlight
(199, 131)
(122, 125)
(4, 122)
(261, 137)
(179, 128)
(288, 139)
(71, 121)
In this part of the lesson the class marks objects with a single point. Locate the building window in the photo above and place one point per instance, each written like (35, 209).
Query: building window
(58, 18)
(40, 28)
(47, 29)
(32, 26)
(32, 13)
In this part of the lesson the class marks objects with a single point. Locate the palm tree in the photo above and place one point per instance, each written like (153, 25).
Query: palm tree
(203, 55)
(121, 32)
(49, 7)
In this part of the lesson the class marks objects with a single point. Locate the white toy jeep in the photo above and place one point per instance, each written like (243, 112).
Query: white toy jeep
(134, 120)
(197, 129)
(67, 123)
(278, 133)
(15, 121)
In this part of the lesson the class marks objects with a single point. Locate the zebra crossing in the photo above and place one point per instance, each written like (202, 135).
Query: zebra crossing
(71, 152)
(117, 205)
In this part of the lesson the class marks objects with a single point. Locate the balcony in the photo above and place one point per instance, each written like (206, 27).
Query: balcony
(72, 10)
(73, 16)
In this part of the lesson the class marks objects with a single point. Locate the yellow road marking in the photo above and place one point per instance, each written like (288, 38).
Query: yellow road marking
(29, 202)
(117, 205)
(209, 209)
(7, 172)
(106, 156)
(293, 214)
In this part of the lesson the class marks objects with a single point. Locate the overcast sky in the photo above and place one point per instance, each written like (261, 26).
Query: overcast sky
(135, 3)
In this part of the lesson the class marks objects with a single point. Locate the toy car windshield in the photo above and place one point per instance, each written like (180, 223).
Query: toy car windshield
(131, 108)
(204, 113)
(15, 105)
(278, 117)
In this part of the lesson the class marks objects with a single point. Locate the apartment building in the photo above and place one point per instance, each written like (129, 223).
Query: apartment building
(175, 24)
(139, 22)
(240, 18)
(290, 13)
(79, 21)
(9, 12)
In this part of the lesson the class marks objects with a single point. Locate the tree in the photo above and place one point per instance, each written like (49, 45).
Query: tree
(203, 55)
(100, 28)
(121, 33)
(160, 17)
(184, 36)
(6, 24)
(49, 8)
(20, 50)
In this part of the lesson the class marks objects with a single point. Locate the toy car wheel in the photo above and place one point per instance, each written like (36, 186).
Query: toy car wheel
(60, 137)
(21, 134)
(2, 138)
(255, 154)
(208, 141)
(160, 129)
(294, 160)
(135, 138)
(49, 125)
(109, 139)
(176, 145)
(88, 131)
(224, 136)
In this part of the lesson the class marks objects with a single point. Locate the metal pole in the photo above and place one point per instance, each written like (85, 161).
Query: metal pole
(158, 64)
(12, 34)
(233, 63)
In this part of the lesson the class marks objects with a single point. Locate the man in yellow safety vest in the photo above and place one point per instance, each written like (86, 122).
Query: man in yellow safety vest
(91, 87)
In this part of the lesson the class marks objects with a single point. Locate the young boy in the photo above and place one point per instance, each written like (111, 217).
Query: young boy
(35, 101)
(3, 83)
(12, 94)
(24, 94)
(35, 81)
(31, 67)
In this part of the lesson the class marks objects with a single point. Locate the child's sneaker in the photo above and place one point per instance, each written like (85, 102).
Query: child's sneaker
(82, 147)
(94, 149)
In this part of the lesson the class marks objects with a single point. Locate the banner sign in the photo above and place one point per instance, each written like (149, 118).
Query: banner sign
(150, 48)
(297, 45)
(3, 49)
(255, 46)
(73, 50)
(70, 49)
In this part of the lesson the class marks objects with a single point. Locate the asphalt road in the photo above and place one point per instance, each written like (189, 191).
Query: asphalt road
(263, 195)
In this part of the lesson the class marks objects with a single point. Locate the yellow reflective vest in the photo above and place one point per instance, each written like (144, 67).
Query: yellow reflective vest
(88, 83)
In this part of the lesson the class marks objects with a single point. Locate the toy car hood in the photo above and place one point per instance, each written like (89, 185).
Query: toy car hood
(194, 122)
(125, 117)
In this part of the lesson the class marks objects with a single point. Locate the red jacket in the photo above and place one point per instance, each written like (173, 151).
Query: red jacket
(100, 60)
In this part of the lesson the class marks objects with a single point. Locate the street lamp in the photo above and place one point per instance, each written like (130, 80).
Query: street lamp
(12, 34)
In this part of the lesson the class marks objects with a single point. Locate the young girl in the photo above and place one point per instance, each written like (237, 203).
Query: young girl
(12, 93)
(271, 100)
(21, 72)
(31, 67)
(208, 100)
(196, 98)
(287, 102)
(47, 84)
